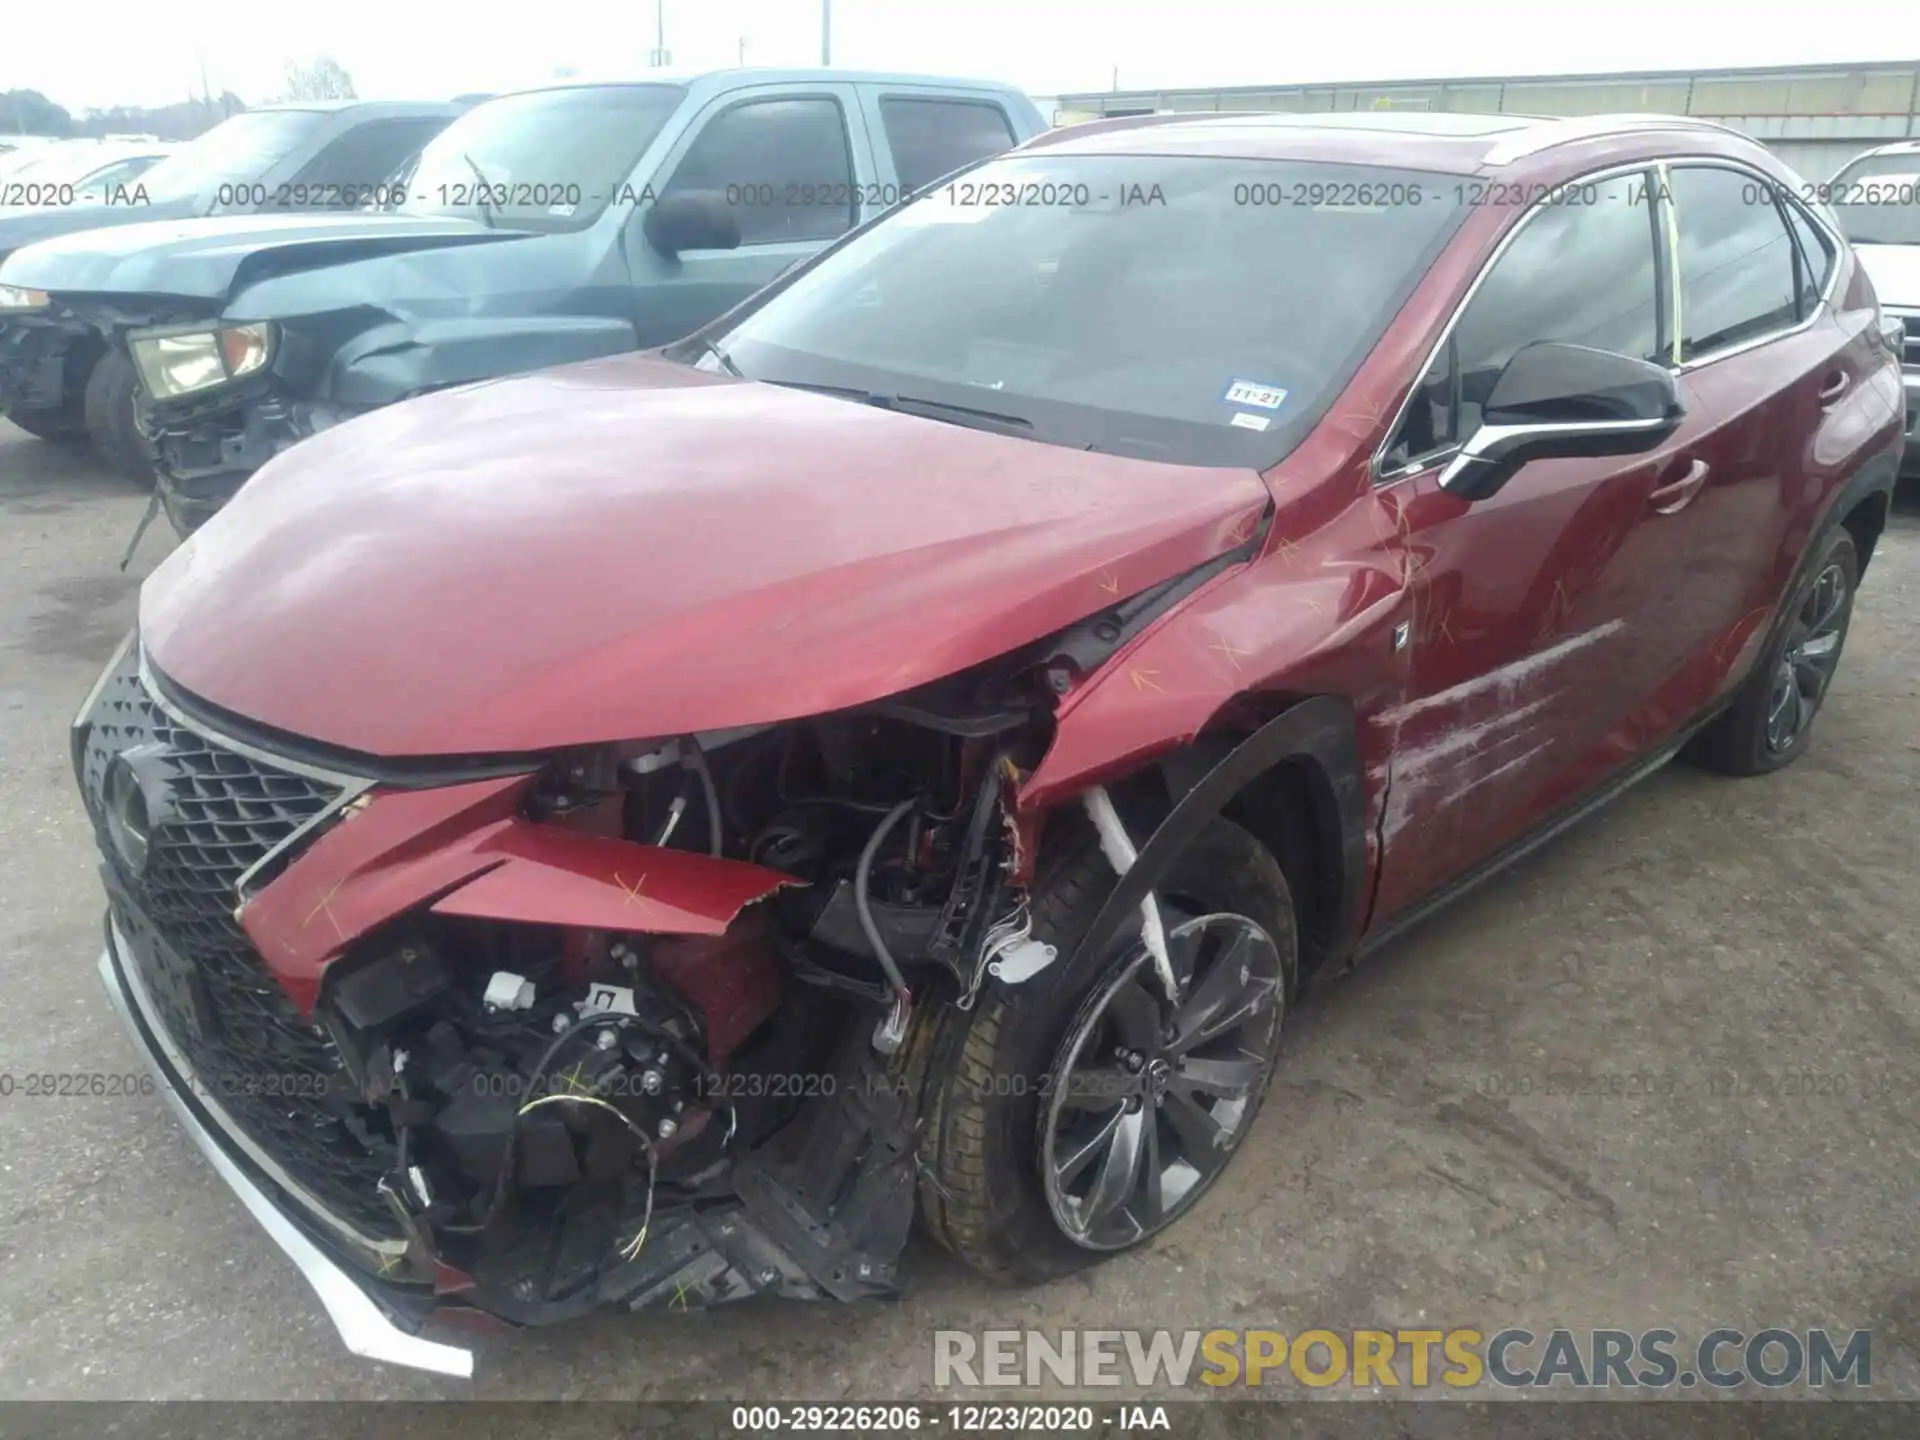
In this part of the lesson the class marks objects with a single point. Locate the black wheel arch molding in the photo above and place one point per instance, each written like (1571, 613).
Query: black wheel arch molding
(1319, 735)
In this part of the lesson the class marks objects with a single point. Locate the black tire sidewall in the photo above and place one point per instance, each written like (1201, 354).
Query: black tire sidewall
(111, 395)
(54, 426)
(1228, 870)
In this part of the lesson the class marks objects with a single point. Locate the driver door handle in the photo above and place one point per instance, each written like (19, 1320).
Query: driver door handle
(1835, 387)
(1673, 496)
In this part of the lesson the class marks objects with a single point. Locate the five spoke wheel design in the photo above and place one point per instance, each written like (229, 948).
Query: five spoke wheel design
(1807, 662)
(1150, 1098)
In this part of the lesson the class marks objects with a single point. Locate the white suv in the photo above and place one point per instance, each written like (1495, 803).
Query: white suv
(1876, 199)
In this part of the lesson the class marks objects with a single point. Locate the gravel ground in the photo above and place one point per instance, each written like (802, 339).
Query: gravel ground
(1418, 1163)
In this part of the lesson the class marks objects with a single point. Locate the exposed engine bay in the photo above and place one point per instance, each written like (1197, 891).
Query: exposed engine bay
(585, 1117)
(467, 1092)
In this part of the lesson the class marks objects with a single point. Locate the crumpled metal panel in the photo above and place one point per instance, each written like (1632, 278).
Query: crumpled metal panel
(466, 850)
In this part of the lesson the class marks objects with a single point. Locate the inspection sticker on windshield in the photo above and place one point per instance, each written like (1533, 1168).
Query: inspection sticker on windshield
(1249, 422)
(1253, 392)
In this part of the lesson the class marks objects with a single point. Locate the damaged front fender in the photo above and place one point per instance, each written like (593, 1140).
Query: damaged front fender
(393, 362)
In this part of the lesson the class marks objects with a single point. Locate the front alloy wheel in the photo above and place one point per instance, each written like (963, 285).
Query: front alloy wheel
(1150, 1097)
(1077, 1113)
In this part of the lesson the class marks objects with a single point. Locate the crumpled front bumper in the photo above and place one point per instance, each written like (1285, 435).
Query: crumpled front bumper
(369, 1323)
(33, 361)
(204, 450)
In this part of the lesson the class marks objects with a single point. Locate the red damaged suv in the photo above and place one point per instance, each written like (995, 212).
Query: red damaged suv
(639, 834)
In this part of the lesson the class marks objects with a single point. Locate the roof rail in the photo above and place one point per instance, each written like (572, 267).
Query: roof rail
(1549, 133)
(1127, 122)
(1897, 147)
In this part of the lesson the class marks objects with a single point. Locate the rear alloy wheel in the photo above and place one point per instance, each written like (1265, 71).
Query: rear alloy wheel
(1769, 723)
(1151, 1098)
(1807, 662)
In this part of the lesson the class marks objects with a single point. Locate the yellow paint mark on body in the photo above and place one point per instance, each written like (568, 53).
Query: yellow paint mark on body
(325, 907)
(1232, 653)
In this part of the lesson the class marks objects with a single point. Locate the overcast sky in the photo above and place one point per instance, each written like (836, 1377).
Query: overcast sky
(95, 53)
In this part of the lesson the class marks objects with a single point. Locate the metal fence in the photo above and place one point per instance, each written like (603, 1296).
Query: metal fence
(1816, 118)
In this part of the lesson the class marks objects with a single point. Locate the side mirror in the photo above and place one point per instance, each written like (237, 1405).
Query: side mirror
(691, 220)
(1559, 401)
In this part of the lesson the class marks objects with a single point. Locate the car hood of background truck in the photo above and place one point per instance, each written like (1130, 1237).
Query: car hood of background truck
(631, 549)
(1895, 272)
(28, 225)
(209, 258)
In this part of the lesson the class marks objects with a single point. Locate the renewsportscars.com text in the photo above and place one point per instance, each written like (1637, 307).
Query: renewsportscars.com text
(1513, 1358)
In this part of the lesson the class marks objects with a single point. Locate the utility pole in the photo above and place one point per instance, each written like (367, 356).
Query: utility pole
(661, 56)
(826, 32)
(743, 50)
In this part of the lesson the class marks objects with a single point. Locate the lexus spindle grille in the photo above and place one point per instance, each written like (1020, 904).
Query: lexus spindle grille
(208, 814)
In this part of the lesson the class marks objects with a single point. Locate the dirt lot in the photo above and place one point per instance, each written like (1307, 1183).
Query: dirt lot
(1695, 960)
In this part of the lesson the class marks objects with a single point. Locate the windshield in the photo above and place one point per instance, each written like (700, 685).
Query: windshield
(76, 164)
(546, 160)
(240, 149)
(1197, 310)
(12, 162)
(1877, 200)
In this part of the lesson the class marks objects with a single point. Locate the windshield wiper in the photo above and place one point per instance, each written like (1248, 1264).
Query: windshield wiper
(955, 414)
(845, 392)
(913, 405)
(485, 192)
(726, 360)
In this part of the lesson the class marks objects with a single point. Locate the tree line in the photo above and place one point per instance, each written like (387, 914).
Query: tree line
(28, 112)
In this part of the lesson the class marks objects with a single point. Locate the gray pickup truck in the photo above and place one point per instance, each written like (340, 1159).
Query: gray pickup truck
(543, 227)
(276, 158)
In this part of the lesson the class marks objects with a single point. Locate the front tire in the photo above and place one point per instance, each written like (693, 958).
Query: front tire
(111, 425)
(1016, 1085)
(65, 423)
(1770, 722)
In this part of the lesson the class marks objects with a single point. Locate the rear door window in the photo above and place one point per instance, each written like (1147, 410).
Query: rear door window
(1582, 269)
(1816, 257)
(1737, 267)
(365, 156)
(931, 138)
(785, 166)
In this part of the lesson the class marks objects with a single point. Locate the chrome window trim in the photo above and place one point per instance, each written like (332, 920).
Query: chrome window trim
(1716, 162)
(1421, 464)
(1670, 232)
(1663, 167)
(1596, 127)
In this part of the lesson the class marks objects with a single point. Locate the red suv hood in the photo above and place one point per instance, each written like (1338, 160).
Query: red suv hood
(631, 549)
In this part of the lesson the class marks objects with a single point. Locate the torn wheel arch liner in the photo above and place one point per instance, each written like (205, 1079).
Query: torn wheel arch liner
(1319, 730)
